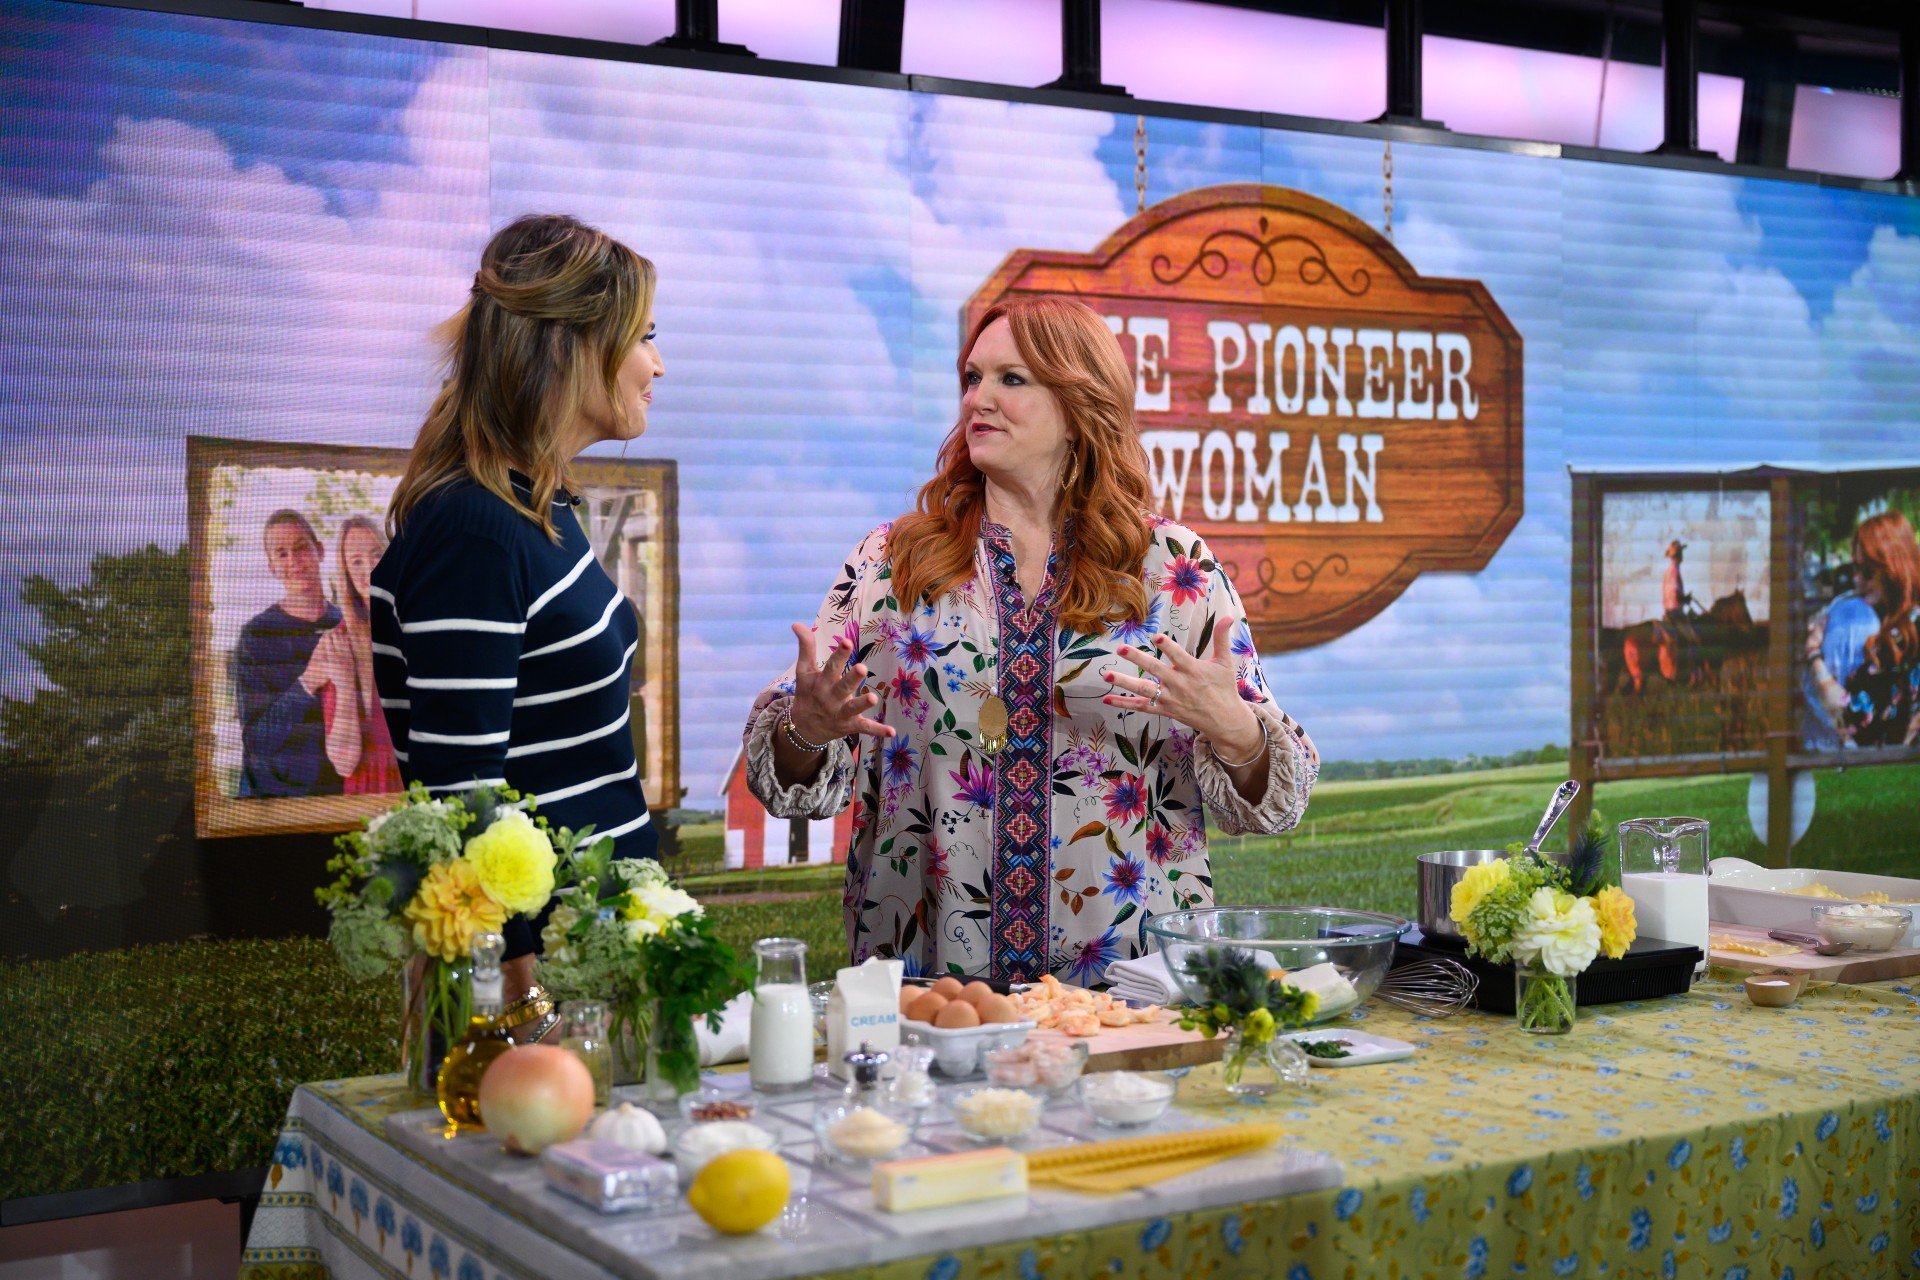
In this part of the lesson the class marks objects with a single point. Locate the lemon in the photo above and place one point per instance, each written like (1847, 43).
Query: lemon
(740, 1191)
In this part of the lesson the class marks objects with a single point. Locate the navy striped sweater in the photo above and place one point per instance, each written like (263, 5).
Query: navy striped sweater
(504, 658)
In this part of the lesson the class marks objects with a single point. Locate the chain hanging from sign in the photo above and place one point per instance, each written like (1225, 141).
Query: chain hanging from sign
(1140, 164)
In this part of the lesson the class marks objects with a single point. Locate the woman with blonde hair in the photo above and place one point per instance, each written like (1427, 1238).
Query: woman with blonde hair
(501, 647)
(358, 743)
(1875, 701)
(1055, 687)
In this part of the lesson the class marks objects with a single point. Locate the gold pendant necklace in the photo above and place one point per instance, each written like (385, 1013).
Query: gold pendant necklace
(993, 725)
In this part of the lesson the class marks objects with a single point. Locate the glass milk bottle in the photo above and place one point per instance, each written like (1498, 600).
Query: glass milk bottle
(1663, 868)
(780, 1048)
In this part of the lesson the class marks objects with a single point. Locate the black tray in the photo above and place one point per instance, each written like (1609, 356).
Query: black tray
(1652, 967)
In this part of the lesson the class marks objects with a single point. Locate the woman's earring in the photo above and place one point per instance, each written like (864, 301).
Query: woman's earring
(1073, 471)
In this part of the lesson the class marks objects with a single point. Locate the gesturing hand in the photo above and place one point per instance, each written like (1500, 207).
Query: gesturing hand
(1203, 694)
(828, 702)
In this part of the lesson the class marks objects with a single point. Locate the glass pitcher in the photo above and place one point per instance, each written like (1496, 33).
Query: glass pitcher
(1664, 869)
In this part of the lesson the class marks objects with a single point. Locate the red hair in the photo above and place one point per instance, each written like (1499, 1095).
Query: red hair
(1074, 355)
(1886, 543)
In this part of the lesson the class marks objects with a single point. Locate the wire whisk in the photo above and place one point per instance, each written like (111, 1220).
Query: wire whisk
(1437, 988)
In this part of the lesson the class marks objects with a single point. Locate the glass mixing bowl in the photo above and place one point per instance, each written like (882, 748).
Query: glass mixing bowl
(1359, 944)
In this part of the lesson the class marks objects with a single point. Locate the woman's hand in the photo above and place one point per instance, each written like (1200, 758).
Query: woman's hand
(1203, 694)
(327, 666)
(827, 701)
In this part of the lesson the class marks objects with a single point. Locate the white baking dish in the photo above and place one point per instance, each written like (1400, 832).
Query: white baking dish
(1745, 893)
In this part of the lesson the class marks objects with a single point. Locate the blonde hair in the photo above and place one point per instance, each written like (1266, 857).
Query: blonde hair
(555, 308)
(1072, 353)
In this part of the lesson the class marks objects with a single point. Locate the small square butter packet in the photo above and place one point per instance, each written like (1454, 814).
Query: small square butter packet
(608, 1177)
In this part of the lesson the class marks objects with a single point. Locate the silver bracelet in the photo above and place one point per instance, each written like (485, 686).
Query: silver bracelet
(799, 739)
(1241, 764)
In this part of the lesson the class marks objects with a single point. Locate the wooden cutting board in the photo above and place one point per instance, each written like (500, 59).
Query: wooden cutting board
(1151, 1046)
(1855, 967)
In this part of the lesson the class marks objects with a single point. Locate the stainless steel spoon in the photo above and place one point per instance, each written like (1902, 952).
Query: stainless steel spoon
(1819, 946)
(1562, 797)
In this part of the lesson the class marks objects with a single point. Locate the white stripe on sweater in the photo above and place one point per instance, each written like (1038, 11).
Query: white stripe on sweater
(541, 699)
(581, 788)
(580, 637)
(468, 786)
(619, 831)
(573, 576)
(463, 682)
(465, 624)
(560, 744)
(460, 739)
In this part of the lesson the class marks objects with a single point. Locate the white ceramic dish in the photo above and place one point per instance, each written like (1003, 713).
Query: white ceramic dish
(1745, 893)
(1363, 1048)
(957, 1050)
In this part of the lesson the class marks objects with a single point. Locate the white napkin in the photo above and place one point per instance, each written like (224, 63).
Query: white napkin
(729, 1043)
(1147, 980)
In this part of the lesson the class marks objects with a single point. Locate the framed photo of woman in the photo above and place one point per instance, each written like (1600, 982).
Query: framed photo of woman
(289, 731)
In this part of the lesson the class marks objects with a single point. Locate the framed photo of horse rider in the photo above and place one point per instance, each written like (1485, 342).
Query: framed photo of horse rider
(1678, 597)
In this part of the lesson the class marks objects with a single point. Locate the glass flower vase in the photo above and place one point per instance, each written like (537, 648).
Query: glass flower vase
(1543, 1002)
(436, 1001)
(1253, 1070)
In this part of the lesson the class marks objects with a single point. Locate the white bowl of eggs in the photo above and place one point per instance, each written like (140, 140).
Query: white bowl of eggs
(961, 1021)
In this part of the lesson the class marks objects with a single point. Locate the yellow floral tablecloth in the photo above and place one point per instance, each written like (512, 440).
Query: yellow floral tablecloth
(1694, 1136)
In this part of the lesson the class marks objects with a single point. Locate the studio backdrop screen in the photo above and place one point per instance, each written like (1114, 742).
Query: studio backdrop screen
(223, 245)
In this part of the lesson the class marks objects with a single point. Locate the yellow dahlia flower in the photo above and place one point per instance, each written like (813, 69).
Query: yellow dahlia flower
(1618, 928)
(514, 860)
(449, 908)
(1477, 883)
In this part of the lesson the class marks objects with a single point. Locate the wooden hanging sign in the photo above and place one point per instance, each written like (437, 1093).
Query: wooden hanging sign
(1333, 423)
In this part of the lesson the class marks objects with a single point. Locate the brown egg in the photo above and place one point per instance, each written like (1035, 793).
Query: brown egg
(958, 1013)
(997, 1008)
(927, 1006)
(948, 987)
(974, 992)
(908, 994)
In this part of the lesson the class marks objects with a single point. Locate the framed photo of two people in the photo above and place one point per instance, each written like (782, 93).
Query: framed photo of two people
(289, 734)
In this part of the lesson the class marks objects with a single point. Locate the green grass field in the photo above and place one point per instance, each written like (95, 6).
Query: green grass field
(165, 1061)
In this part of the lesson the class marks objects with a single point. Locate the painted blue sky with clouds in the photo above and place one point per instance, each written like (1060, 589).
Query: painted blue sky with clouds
(244, 230)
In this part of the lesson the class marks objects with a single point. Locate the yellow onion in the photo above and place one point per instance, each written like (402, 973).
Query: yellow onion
(534, 1096)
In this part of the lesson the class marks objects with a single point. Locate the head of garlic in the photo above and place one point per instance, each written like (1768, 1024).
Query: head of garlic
(632, 1127)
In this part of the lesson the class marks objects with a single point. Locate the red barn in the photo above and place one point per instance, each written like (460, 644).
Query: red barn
(755, 838)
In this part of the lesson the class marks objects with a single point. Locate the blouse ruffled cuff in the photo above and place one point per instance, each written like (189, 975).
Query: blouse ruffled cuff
(831, 789)
(1292, 769)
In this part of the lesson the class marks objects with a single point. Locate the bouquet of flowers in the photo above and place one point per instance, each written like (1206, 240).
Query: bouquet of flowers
(1549, 919)
(622, 932)
(1251, 1004)
(414, 887)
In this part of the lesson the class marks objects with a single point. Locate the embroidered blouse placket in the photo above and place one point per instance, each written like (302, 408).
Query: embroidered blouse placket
(1023, 791)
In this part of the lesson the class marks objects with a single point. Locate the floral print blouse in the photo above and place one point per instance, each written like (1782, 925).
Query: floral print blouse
(1050, 856)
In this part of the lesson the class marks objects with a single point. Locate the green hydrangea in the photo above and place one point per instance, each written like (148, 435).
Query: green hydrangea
(368, 940)
(1499, 915)
(416, 834)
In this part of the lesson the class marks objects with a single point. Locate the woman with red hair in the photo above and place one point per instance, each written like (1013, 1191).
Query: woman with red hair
(1877, 702)
(1056, 686)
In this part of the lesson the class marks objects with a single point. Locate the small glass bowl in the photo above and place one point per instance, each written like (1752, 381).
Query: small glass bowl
(868, 1145)
(1116, 1113)
(1877, 926)
(702, 1142)
(1045, 1066)
(967, 1103)
(708, 1104)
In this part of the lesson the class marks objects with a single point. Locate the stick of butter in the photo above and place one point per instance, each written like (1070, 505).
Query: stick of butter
(929, 1182)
